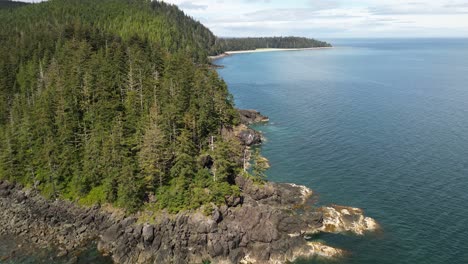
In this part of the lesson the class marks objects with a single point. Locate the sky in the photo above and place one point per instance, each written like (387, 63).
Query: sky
(331, 18)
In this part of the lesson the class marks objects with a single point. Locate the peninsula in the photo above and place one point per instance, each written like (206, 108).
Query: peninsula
(115, 129)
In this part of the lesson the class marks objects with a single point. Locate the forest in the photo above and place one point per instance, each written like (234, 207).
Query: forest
(236, 44)
(115, 102)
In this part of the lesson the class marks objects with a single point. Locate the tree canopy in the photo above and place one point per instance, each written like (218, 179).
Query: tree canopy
(114, 101)
(111, 101)
(236, 44)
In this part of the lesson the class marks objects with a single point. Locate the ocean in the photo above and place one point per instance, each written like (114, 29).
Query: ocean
(379, 124)
(376, 124)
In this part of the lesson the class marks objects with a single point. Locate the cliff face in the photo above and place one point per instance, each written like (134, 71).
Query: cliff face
(268, 225)
(263, 228)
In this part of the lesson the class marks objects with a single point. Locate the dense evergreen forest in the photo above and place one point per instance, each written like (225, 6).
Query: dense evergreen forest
(234, 44)
(112, 101)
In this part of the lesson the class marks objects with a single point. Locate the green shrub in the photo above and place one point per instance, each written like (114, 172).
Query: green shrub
(97, 195)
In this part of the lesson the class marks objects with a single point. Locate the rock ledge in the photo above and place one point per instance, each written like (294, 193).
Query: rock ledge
(269, 226)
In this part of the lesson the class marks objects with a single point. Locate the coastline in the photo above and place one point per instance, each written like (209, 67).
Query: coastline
(229, 53)
(269, 223)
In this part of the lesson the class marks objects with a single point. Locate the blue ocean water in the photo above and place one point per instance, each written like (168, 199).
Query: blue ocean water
(376, 124)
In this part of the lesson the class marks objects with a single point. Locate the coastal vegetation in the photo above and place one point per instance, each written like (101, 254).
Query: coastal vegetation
(114, 101)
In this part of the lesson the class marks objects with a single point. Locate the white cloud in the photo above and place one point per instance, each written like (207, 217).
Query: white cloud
(192, 6)
(333, 18)
(330, 18)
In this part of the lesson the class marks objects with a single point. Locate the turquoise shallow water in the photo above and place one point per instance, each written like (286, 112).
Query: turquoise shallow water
(377, 124)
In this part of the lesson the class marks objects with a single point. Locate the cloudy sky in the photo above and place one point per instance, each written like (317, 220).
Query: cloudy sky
(331, 18)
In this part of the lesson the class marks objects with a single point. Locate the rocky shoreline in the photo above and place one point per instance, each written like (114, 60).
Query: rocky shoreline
(268, 223)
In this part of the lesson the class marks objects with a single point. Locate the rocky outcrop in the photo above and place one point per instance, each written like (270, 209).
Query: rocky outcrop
(268, 224)
(44, 223)
(249, 117)
(248, 136)
(339, 219)
(266, 228)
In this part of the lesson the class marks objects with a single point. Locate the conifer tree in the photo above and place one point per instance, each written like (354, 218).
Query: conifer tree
(259, 166)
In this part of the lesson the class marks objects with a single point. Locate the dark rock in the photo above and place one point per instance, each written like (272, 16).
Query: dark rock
(112, 233)
(4, 193)
(236, 255)
(73, 260)
(148, 234)
(66, 230)
(137, 232)
(157, 241)
(54, 221)
(21, 197)
(249, 137)
(248, 117)
(62, 253)
(129, 230)
(216, 216)
(181, 220)
(128, 221)
(81, 230)
(265, 232)
(259, 228)
(233, 201)
(215, 248)
(315, 218)
(88, 220)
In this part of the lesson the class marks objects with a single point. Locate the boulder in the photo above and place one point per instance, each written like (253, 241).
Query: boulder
(217, 216)
(148, 234)
(112, 233)
(249, 137)
(249, 117)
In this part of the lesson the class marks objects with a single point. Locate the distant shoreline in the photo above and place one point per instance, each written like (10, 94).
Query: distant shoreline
(229, 53)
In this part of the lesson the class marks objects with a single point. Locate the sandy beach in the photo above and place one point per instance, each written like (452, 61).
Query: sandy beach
(271, 50)
(228, 53)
